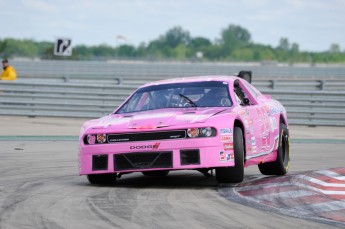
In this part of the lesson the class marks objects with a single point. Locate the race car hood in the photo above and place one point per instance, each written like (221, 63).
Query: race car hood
(154, 119)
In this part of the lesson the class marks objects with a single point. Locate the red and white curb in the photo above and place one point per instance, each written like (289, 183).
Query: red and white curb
(317, 195)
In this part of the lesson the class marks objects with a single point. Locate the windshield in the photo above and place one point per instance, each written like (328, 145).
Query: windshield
(178, 95)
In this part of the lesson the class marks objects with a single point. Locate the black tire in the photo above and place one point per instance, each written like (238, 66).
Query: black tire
(102, 179)
(234, 174)
(158, 173)
(281, 165)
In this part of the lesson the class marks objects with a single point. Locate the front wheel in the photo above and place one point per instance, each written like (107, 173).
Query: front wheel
(234, 174)
(281, 165)
(102, 179)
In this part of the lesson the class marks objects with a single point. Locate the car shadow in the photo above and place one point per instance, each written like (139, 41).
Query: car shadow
(175, 179)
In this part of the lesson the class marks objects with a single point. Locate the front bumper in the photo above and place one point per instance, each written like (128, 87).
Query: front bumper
(164, 155)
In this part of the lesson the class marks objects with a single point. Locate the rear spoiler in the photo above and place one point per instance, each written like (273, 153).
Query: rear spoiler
(246, 75)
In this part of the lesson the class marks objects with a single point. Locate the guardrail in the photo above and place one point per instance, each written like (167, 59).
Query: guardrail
(312, 107)
(60, 99)
(301, 84)
(275, 84)
(74, 99)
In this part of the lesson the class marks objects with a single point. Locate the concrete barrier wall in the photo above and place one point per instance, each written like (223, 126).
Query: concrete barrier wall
(147, 69)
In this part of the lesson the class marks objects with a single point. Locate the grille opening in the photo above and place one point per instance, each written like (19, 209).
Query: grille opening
(100, 162)
(190, 157)
(143, 160)
(146, 136)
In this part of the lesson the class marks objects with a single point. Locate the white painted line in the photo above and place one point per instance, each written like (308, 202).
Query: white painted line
(331, 174)
(320, 182)
(327, 192)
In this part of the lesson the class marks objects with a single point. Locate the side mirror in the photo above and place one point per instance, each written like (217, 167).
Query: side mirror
(246, 75)
(246, 101)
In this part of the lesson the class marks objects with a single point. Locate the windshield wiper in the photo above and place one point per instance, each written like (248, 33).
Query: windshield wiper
(188, 100)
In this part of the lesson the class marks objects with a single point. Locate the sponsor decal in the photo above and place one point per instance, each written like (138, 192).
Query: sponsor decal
(221, 156)
(226, 138)
(273, 124)
(246, 123)
(274, 110)
(145, 127)
(175, 136)
(225, 156)
(154, 146)
(228, 146)
(250, 130)
(225, 131)
(119, 140)
(253, 140)
(264, 142)
(276, 144)
(230, 157)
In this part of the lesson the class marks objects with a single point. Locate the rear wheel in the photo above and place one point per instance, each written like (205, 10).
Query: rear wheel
(158, 173)
(105, 179)
(281, 165)
(234, 174)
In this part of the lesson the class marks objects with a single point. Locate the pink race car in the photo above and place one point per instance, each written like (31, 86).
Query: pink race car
(195, 123)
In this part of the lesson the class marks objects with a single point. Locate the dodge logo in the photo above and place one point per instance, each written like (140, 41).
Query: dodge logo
(155, 146)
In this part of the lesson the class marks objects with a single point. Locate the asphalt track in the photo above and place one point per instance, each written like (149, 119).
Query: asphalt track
(40, 186)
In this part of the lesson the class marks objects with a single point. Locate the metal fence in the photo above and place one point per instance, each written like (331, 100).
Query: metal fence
(308, 102)
(60, 99)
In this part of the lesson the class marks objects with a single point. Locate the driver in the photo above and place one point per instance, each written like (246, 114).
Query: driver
(159, 99)
(221, 98)
(216, 97)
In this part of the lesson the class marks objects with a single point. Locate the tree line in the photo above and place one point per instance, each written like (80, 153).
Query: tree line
(234, 44)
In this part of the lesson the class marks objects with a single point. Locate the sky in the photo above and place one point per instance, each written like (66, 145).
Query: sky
(313, 24)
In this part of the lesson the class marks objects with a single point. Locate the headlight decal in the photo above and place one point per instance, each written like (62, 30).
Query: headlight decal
(91, 139)
(201, 132)
(101, 138)
(193, 132)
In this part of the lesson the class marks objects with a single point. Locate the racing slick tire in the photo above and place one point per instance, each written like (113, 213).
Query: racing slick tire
(102, 179)
(281, 165)
(234, 174)
(158, 173)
